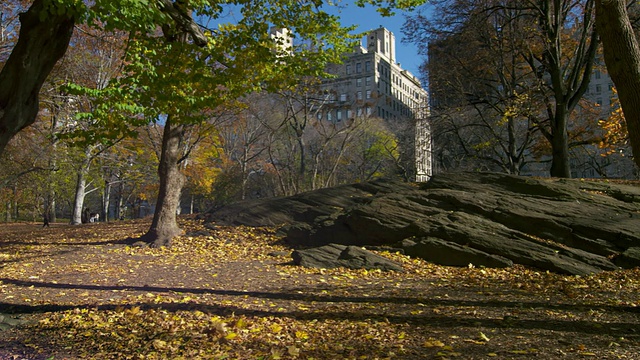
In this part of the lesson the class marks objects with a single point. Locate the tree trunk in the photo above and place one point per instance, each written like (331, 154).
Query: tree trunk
(40, 45)
(78, 203)
(81, 187)
(560, 166)
(105, 201)
(165, 226)
(119, 206)
(8, 213)
(51, 206)
(622, 57)
(16, 209)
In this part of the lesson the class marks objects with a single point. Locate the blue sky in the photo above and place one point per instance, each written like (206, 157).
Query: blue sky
(368, 19)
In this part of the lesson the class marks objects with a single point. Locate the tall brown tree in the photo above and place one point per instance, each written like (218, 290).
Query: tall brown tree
(622, 57)
(43, 40)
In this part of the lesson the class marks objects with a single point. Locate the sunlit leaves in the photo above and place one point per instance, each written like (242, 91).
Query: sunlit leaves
(220, 292)
(616, 135)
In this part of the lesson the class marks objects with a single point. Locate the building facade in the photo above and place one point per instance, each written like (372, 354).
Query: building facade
(371, 83)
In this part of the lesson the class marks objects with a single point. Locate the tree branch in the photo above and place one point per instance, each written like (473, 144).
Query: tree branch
(184, 22)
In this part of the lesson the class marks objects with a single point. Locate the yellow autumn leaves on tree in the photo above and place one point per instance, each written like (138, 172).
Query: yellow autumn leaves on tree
(615, 134)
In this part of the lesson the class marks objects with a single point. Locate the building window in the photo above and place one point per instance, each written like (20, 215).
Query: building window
(359, 82)
(319, 115)
(343, 97)
(368, 110)
(359, 95)
(598, 88)
(329, 117)
(358, 68)
(339, 115)
(359, 112)
(368, 81)
(367, 66)
(349, 113)
(597, 74)
(368, 94)
(348, 69)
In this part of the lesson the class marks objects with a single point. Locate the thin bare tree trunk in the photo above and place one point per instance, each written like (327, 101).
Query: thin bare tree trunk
(106, 197)
(81, 187)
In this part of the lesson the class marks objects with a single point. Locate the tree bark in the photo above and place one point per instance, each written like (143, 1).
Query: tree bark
(164, 226)
(78, 203)
(40, 45)
(81, 188)
(560, 166)
(622, 57)
(106, 197)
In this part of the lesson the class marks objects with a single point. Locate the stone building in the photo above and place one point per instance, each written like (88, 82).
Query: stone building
(370, 82)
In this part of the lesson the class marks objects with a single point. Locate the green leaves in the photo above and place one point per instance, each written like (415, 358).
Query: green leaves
(388, 7)
(76, 9)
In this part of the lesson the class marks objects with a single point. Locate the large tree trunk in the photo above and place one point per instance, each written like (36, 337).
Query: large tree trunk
(40, 45)
(560, 166)
(622, 57)
(165, 226)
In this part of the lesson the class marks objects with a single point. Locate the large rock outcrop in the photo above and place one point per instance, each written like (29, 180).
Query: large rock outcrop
(563, 225)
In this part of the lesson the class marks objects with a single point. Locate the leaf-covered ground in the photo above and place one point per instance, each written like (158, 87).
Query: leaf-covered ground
(232, 294)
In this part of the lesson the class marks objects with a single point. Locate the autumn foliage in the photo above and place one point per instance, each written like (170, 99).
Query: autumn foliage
(231, 292)
(615, 135)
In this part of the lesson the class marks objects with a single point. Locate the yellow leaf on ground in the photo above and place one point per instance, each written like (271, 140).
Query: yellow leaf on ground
(293, 351)
(433, 343)
(275, 328)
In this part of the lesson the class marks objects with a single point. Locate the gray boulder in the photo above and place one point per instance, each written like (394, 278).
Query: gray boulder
(351, 257)
(629, 258)
(562, 225)
(449, 253)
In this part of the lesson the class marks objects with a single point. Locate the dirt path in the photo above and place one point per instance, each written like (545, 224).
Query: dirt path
(231, 292)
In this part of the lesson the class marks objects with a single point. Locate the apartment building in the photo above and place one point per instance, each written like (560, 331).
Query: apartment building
(370, 82)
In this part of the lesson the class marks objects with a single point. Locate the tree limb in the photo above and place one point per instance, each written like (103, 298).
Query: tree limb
(178, 12)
